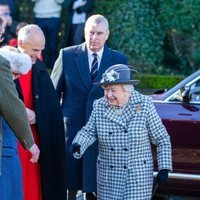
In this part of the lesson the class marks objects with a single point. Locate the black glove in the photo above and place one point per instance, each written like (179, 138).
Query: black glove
(162, 176)
(75, 147)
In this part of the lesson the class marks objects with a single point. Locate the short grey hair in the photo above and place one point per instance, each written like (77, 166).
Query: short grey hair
(97, 19)
(25, 32)
(128, 88)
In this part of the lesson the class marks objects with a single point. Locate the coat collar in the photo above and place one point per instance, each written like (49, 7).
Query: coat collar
(132, 110)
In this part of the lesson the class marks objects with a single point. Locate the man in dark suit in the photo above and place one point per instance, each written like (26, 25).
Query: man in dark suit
(74, 72)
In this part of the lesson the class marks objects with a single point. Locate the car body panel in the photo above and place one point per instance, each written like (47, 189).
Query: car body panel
(181, 117)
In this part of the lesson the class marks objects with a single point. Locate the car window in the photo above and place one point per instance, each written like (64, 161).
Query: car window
(193, 90)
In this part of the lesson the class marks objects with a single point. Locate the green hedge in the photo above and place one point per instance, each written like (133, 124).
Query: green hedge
(158, 81)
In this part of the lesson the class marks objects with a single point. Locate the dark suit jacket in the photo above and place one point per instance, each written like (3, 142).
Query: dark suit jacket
(71, 78)
(51, 133)
(12, 108)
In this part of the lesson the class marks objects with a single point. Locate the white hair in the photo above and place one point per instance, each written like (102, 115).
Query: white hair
(97, 19)
(25, 32)
(128, 88)
(19, 62)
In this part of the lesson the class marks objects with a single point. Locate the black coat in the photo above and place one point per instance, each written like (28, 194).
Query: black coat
(51, 133)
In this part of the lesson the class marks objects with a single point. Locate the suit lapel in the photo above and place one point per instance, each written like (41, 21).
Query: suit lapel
(82, 66)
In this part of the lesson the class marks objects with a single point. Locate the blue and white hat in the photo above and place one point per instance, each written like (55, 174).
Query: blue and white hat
(117, 74)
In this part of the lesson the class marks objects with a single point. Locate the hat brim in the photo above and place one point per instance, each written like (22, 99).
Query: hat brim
(131, 82)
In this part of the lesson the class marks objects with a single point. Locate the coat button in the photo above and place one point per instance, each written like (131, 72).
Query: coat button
(37, 96)
(112, 149)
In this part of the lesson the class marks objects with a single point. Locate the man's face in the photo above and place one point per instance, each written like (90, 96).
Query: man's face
(33, 47)
(96, 36)
(5, 14)
(4, 10)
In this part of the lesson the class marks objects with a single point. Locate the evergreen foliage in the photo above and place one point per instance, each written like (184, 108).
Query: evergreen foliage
(159, 36)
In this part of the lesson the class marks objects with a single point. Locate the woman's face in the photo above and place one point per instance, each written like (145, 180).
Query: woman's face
(115, 95)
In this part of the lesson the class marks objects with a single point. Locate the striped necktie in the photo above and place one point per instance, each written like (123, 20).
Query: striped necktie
(94, 67)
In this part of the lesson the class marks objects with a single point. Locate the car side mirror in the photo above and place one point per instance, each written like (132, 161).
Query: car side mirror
(186, 94)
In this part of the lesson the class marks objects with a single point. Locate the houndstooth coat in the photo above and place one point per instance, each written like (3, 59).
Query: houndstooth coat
(125, 163)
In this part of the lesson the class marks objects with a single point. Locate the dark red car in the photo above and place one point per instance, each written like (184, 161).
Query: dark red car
(179, 109)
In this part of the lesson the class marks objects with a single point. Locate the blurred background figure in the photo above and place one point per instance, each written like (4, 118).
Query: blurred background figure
(10, 24)
(12, 6)
(13, 41)
(47, 17)
(77, 13)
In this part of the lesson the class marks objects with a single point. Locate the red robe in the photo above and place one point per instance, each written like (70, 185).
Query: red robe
(30, 171)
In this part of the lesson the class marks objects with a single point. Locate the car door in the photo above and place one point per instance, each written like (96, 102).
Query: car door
(182, 120)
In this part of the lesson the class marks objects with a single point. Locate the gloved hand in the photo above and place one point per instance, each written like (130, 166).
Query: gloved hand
(75, 147)
(162, 176)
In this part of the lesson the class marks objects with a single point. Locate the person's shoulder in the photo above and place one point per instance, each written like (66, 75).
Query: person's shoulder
(113, 51)
(138, 97)
(4, 64)
(114, 54)
(100, 102)
(72, 49)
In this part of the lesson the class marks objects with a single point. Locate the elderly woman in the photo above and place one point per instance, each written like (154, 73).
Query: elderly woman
(125, 123)
(11, 178)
